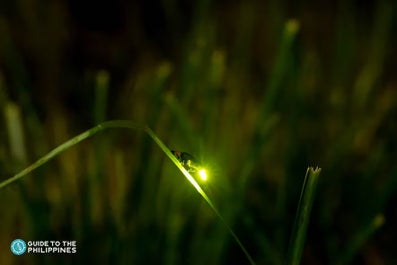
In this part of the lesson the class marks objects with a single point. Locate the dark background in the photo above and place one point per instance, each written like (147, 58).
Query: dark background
(256, 90)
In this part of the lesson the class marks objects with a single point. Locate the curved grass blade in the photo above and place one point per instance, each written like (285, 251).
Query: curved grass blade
(127, 125)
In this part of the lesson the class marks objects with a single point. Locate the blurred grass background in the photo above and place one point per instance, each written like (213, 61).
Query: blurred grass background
(257, 90)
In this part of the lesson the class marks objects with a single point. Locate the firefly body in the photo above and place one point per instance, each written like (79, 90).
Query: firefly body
(186, 159)
(188, 162)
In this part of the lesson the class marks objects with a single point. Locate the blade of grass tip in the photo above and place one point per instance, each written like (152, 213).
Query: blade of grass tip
(12, 114)
(299, 229)
(130, 125)
(267, 119)
(361, 237)
(101, 93)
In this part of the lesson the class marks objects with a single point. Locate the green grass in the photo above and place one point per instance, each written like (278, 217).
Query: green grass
(256, 91)
(304, 207)
(126, 125)
(299, 230)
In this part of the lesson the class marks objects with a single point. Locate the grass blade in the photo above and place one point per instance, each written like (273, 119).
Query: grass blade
(127, 125)
(360, 238)
(299, 230)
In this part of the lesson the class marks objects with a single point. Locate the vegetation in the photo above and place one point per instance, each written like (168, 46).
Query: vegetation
(256, 91)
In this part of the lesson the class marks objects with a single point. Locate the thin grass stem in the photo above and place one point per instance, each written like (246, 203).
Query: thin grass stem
(128, 125)
(299, 230)
(360, 238)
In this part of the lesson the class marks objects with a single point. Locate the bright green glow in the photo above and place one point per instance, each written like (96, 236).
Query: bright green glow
(129, 125)
(203, 174)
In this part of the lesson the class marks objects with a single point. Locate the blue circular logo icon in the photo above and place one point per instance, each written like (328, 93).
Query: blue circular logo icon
(18, 247)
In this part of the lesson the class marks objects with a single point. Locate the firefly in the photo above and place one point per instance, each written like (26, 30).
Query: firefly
(188, 162)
